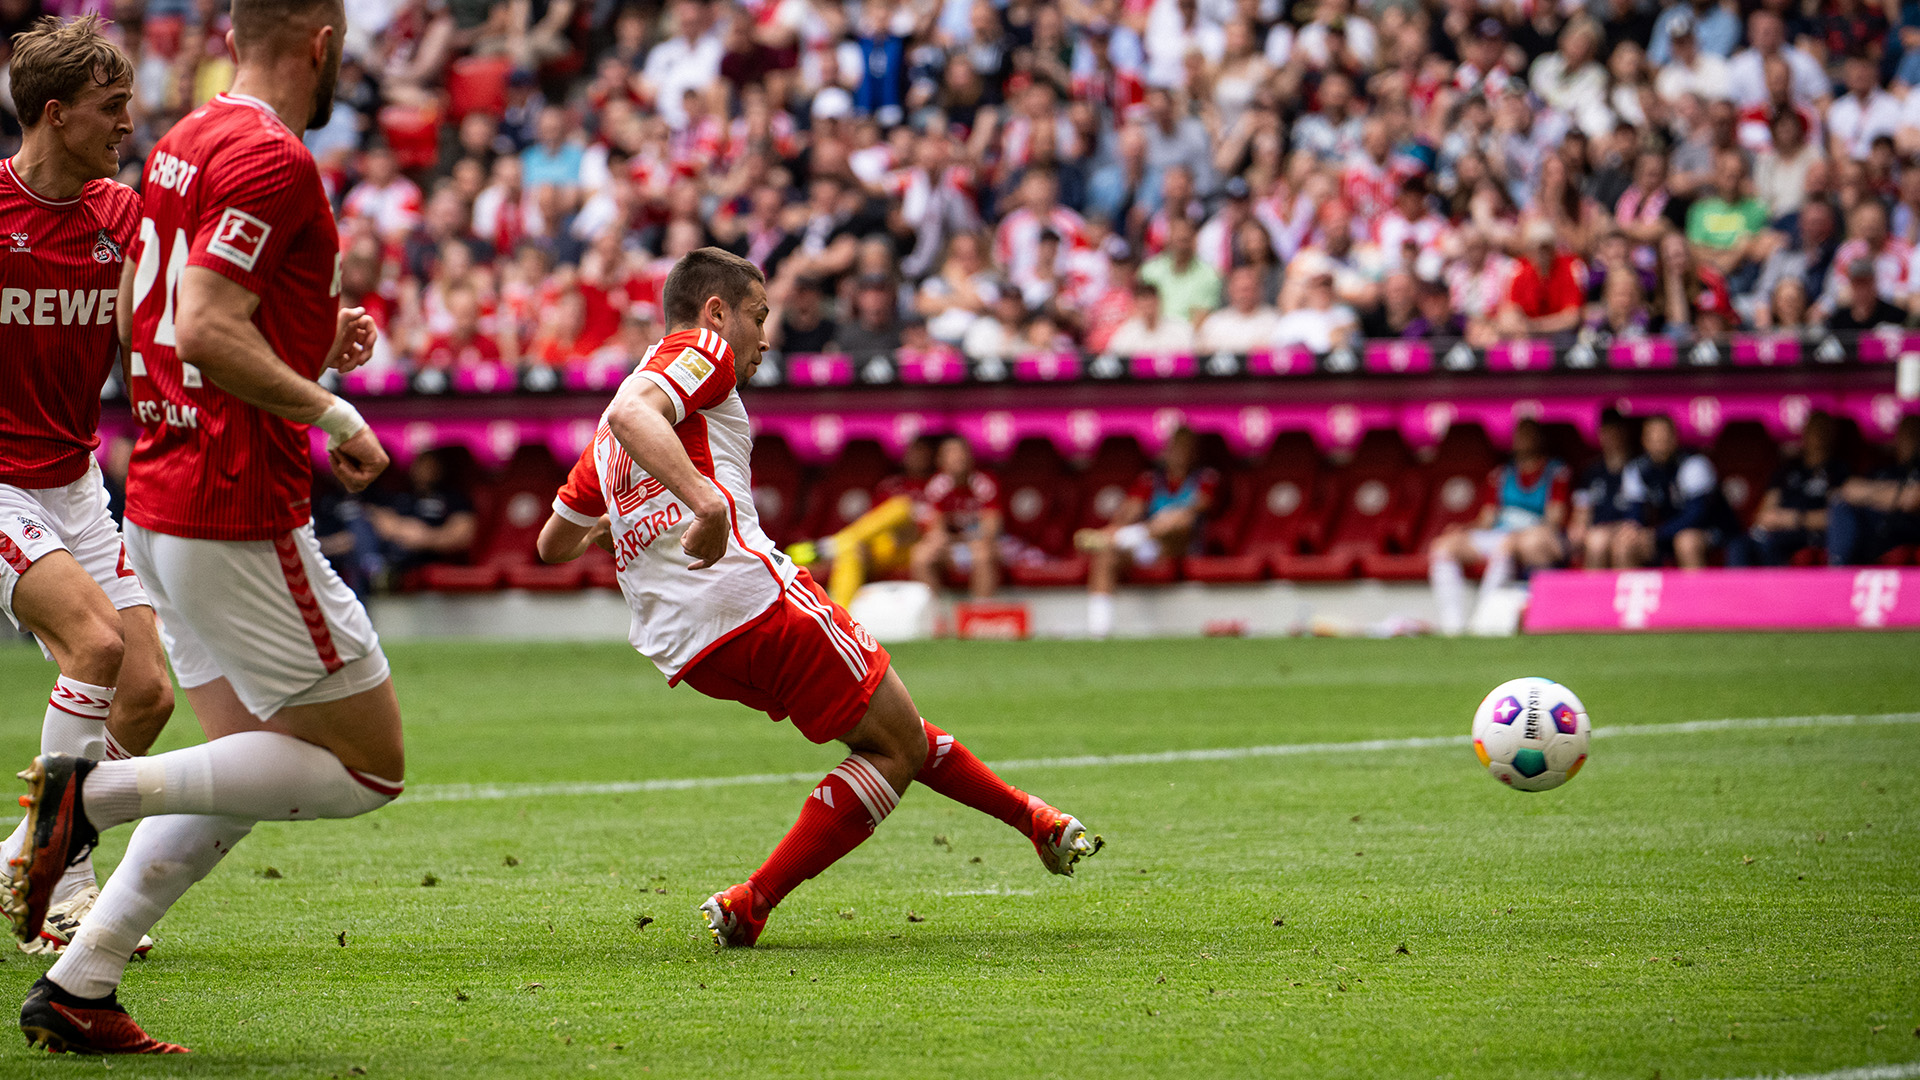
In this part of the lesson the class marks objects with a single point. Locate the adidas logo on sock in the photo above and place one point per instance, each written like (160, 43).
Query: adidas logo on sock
(824, 794)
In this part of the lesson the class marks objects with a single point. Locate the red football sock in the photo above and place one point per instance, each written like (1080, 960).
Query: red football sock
(841, 813)
(953, 771)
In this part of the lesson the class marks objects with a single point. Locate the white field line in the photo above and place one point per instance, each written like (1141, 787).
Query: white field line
(1870, 1072)
(486, 792)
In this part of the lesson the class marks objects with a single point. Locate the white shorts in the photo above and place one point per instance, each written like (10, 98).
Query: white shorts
(1487, 541)
(269, 616)
(35, 522)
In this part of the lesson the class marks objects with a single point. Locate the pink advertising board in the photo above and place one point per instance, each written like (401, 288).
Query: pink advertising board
(1785, 598)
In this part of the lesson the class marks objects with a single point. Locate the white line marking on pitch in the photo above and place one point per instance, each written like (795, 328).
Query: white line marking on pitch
(486, 792)
(1870, 1072)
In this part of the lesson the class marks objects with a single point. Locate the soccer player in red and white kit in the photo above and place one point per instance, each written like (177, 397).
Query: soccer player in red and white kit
(63, 569)
(666, 487)
(233, 292)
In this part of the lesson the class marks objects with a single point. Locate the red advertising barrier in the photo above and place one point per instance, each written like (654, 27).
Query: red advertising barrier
(1786, 598)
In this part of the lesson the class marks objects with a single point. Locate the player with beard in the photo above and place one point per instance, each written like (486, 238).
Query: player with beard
(63, 569)
(666, 485)
(233, 296)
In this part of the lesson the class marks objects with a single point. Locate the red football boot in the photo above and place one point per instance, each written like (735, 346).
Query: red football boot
(1060, 839)
(64, 1024)
(736, 917)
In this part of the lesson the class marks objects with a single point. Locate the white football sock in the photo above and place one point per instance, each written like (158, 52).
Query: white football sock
(1099, 614)
(76, 724)
(1449, 593)
(256, 775)
(76, 720)
(165, 856)
(1499, 571)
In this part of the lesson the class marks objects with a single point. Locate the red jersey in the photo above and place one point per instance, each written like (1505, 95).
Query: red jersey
(231, 189)
(1563, 288)
(962, 504)
(60, 264)
(447, 354)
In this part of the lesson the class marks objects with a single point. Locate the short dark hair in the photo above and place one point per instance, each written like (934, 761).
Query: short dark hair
(256, 21)
(58, 59)
(701, 273)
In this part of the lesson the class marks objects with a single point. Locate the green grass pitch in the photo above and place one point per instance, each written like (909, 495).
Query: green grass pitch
(1718, 904)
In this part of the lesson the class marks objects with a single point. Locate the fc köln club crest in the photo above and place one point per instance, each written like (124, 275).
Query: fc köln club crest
(104, 249)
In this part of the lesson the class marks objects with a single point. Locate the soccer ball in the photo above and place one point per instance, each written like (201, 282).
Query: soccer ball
(1531, 734)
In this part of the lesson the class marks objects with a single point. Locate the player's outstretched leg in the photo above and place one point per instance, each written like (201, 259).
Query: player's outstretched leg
(845, 809)
(953, 771)
(253, 775)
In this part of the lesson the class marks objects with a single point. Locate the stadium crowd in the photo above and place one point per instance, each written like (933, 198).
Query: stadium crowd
(514, 177)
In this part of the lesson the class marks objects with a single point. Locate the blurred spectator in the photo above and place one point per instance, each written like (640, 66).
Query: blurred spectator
(1162, 518)
(964, 515)
(1873, 514)
(1673, 504)
(801, 324)
(1862, 307)
(1317, 320)
(1522, 522)
(874, 328)
(462, 346)
(1793, 512)
(1600, 504)
(1189, 287)
(1374, 137)
(881, 540)
(430, 521)
(1548, 282)
(1149, 332)
(1246, 324)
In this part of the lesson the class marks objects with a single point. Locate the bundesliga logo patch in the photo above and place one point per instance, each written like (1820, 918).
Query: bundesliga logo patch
(238, 238)
(104, 249)
(689, 370)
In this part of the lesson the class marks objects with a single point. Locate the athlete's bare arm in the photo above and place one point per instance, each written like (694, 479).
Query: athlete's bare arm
(216, 333)
(123, 317)
(641, 418)
(563, 541)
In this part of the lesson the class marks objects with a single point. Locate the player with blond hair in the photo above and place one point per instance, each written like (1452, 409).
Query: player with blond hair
(64, 575)
(230, 305)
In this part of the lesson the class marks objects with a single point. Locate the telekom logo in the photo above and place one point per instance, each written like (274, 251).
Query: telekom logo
(1875, 592)
(1636, 595)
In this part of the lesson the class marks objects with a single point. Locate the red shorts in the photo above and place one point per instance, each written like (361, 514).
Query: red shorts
(805, 659)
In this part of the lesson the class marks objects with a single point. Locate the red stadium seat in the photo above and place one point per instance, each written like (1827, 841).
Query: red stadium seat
(778, 484)
(1068, 570)
(1042, 501)
(1379, 497)
(413, 134)
(1453, 498)
(1285, 514)
(448, 577)
(1103, 486)
(511, 509)
(541, 577)
(477, 84)
(596, 568)
(845, 490)
(1745, 457)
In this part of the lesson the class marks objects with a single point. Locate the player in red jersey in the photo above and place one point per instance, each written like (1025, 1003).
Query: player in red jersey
(965, 514)
(666, 486)
(233, 293)
(63, 569)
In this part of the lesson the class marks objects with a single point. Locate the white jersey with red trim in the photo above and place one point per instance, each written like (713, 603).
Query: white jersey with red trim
(680, 614)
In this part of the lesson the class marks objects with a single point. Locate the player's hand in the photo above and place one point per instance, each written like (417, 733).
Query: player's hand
(359, 460)
(706, 539)
(353, 339)
(601, 535)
